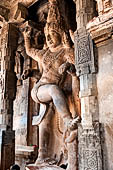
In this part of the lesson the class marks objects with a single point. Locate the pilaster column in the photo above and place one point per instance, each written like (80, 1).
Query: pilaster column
(7, 94)
(86, 66)
(85, 12)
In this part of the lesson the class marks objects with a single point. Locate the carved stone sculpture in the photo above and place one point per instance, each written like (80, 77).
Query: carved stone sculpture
(55, 60)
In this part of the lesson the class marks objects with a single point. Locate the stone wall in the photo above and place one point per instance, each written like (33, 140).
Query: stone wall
(101, 30)
(105, 98)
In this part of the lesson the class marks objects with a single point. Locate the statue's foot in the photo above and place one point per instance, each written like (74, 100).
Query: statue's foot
(72, 136)
(39, 161)
(47, 160)
(70, 133)
(72, 125)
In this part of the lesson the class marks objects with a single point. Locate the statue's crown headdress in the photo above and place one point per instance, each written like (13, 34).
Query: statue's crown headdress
(54, 20)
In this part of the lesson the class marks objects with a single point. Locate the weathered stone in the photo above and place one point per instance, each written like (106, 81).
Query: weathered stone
(89, 148)
(7, 95)
(101, 29)
(90, 157)
(8, 3)
(8, 149)
(4, 12)
(85, 61)
(21, 105)
(18, 13)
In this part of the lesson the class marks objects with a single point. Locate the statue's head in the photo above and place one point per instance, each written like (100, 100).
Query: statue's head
(53, 39)
(53, 34)
(55, 27)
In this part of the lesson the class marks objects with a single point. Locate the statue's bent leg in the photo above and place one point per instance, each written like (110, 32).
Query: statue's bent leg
(50, 92)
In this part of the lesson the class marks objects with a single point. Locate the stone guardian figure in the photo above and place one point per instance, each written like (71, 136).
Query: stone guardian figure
(55, 60)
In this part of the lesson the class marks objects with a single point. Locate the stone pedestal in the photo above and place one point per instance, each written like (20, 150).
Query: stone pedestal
(25, 155)
(43, 167)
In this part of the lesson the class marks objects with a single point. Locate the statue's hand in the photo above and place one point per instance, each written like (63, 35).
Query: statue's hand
(26, 73)
(72, 70)
(63, 68)
(70, 132)
(27, 32)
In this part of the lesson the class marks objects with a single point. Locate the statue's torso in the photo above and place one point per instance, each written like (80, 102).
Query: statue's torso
(51, 61)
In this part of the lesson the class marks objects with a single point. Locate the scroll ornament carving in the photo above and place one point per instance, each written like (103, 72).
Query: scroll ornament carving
(84, 51)
(90, 148)
(84, 55)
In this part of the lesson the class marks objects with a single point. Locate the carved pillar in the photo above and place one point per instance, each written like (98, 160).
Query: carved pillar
(85, 12)
(7, 95)
(88, 132)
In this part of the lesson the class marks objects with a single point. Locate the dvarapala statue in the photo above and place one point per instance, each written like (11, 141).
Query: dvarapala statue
(55, 59)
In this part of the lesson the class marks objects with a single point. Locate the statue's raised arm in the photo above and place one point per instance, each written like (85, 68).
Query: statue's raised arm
(34, 53)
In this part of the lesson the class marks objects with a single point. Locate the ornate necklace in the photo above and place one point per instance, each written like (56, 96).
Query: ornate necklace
(50, 57)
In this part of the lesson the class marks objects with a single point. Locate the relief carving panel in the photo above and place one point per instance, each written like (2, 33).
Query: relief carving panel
(85, 59)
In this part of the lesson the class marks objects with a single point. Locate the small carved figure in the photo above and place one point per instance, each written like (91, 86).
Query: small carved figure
(55, 59)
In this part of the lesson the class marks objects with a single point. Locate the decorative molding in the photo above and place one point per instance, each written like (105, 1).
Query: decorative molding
(85, 61)
(101, 27)
(89, 148)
